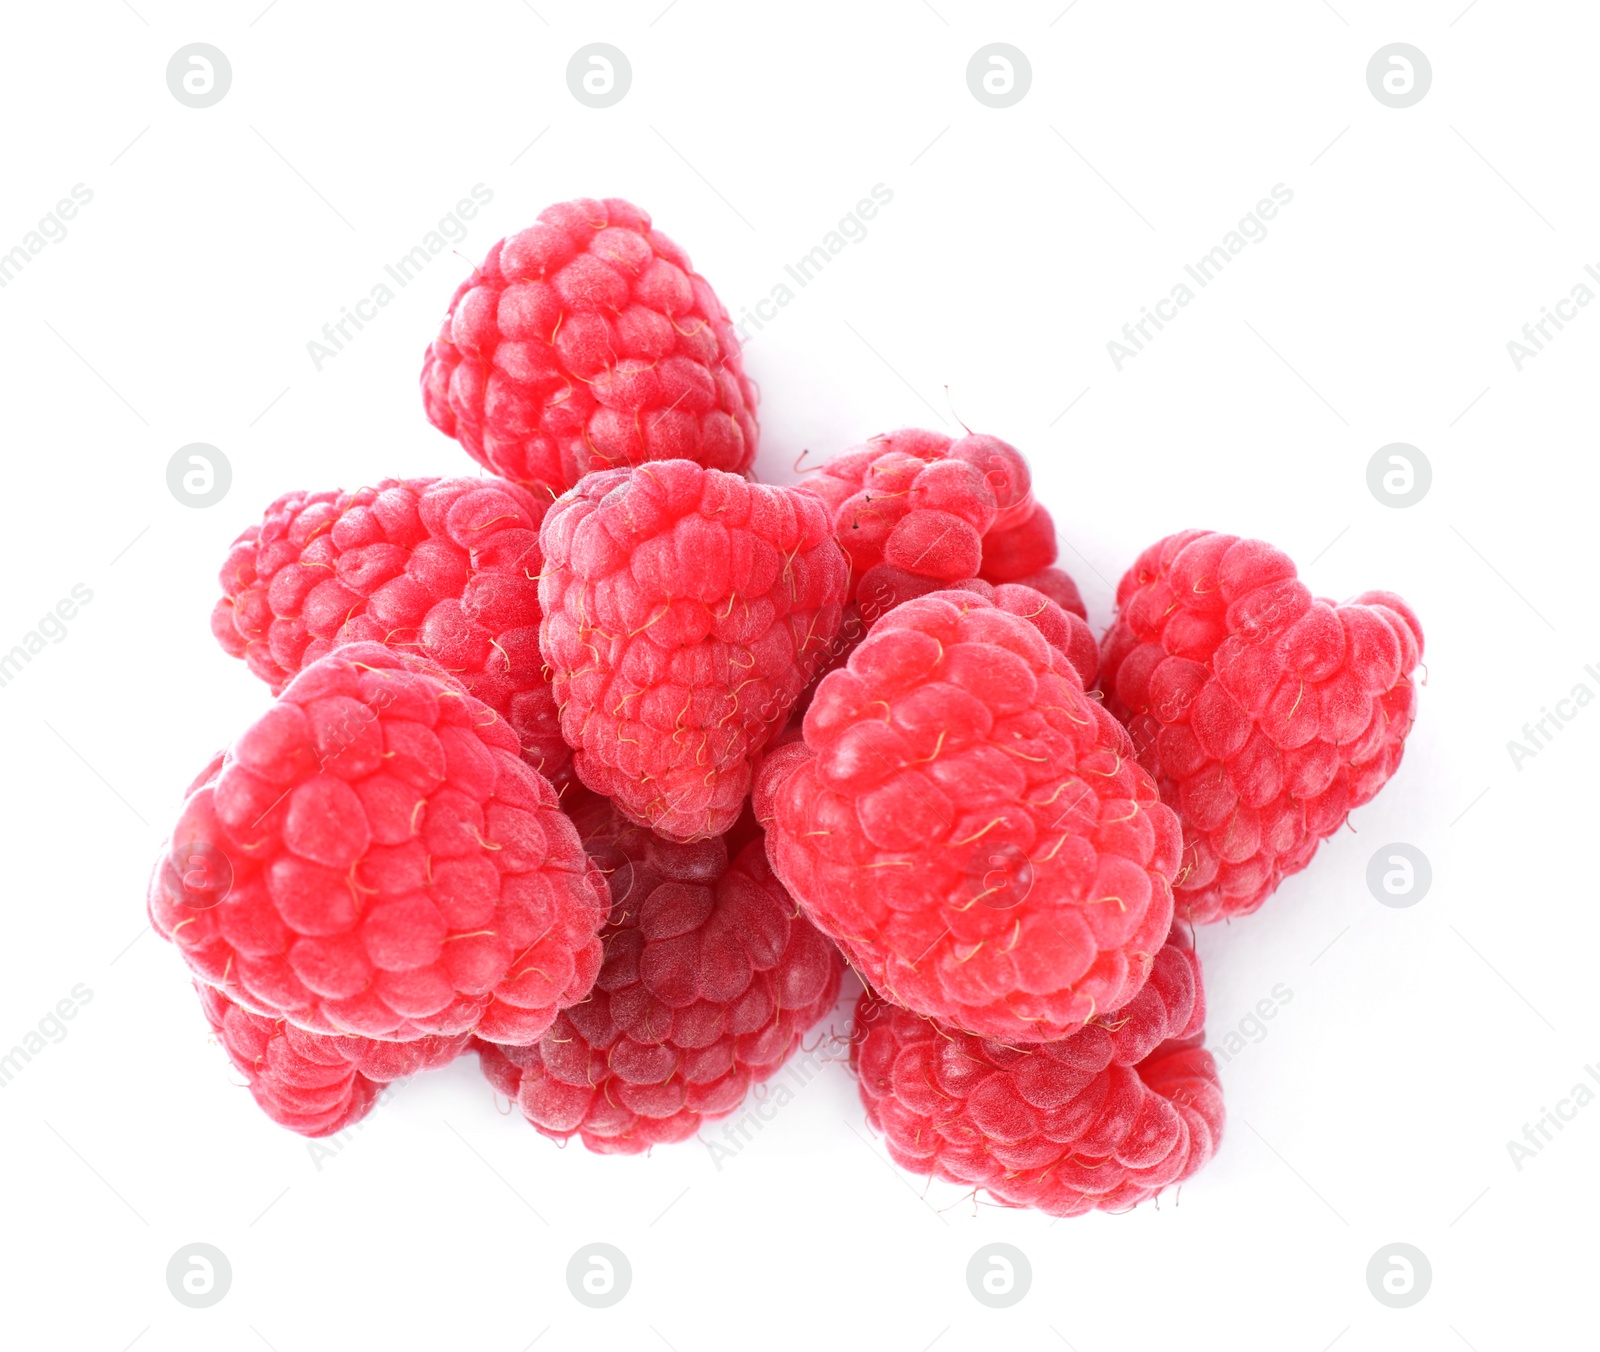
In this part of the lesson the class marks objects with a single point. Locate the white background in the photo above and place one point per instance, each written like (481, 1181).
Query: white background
(1378, 1105)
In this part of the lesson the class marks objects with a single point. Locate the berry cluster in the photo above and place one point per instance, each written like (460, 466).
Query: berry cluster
(605, 769)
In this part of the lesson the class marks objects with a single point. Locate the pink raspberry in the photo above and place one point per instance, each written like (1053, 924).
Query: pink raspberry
(685, 610)
(915, 510)
(971, 827)
(1097, 1121)
(586, 342)
(922, 503)
(373, 858)
(312, 1084)
(447, 567)
(1266, 716)
(711, 979)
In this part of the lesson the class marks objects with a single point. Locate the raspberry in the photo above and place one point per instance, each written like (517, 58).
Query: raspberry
(711, 979)
(373, 858)
(1100, 1120)
(914, 510)
(1265, 715)
(586, 342)
(685, 610)
(971, 827)
(312, 1084)
(922, 503)
(448, 567)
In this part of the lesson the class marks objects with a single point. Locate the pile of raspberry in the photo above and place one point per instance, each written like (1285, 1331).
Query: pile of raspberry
(633, 776)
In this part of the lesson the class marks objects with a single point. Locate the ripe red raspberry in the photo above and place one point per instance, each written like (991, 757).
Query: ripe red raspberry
(585, 342)
(685, 609)
(914, 510)
(1100, 1120)
(448, 567)
(971, 827)
(711, 979)
(1265, 715)
(312, 1084)
(922, 503)
(372, 857)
